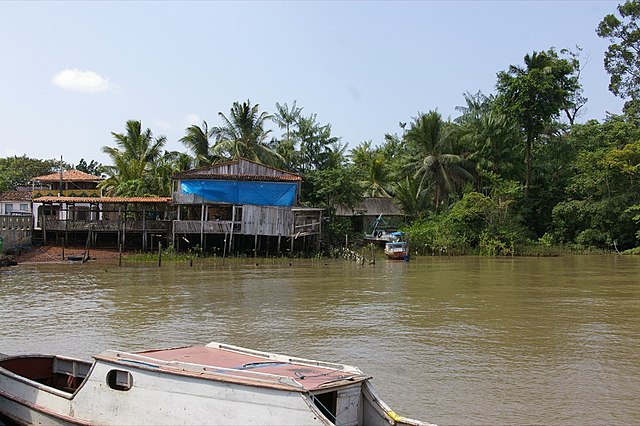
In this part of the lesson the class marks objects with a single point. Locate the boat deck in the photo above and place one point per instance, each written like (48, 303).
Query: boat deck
(231, 363)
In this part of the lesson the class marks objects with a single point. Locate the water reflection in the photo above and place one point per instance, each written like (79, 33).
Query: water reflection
(454, 341)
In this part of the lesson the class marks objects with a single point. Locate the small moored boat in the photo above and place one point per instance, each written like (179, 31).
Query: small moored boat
(214, 384)
(397, 250)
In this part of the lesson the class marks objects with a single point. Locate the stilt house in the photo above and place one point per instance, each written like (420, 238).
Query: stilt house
(69, 205)
(243, 207)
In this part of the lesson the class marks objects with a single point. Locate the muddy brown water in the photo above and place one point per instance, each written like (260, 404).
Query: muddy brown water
(449, 340)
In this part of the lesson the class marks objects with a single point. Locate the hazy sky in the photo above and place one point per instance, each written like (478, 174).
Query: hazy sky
(73, 72)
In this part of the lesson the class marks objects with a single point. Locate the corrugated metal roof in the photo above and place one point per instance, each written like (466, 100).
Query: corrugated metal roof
(374, 206)
(68, 176)
(115, 200)
(15, 196)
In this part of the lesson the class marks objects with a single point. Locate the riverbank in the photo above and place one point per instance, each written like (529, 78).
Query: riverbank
(53, 254)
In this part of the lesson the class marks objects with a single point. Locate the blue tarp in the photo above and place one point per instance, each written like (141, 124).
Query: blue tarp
(243, 192)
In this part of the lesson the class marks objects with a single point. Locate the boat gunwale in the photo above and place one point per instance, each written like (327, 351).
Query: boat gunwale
(36, 407)
(50, 389)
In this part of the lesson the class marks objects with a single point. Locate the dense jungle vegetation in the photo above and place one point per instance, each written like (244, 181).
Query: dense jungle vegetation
(516, 172)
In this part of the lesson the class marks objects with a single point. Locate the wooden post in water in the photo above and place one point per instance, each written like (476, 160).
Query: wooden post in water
(202, 226)
(408, 255)
(279, 238)
(255, 245)
(119, 254)
(373, 255)
(63, 239)
(85, 256)
(224, 247)
(159, 254)
(44, 226)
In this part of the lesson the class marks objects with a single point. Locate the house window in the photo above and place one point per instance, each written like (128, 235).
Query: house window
(8, 208)
(24, 207)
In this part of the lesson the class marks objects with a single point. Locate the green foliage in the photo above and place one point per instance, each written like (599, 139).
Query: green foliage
(169, 254)
(329, 188)
(603, 224)
(474, 224)
(92, 168)
(534, 95)
(15, 171)
(133, 159)
(376, 167)
(432, 161)
(490, 137)
(622, 60)
(243, 135)
(197, 141)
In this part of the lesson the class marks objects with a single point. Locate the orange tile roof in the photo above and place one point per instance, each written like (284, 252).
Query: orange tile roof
(115, 200)
(15, 196)
(68, 176)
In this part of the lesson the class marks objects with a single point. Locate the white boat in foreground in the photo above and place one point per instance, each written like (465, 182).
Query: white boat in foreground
(214, 384)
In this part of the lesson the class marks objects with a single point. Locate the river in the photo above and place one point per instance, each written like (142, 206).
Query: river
(462, 340)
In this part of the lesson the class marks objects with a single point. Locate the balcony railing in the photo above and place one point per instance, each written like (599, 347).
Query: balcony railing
(37, 193)
(161, 226)
(15, 222)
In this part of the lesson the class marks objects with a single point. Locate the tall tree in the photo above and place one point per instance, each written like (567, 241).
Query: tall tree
(433, 163)
(243, 135)
(622, 58)
(319, 149)
(135, 154)
(375, 168)
(197, 141)
(535, 94)
(286, 118)
(489, 137)
(16, 171)
(93, 168)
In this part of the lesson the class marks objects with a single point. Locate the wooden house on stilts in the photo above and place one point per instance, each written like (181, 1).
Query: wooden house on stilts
(243, 207)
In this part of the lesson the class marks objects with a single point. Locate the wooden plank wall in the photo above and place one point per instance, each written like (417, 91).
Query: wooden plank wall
(240, 168)
(265, 220)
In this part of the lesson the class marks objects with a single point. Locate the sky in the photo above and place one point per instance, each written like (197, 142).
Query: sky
(73, 72)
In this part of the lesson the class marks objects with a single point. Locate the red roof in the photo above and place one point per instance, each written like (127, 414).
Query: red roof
(68, 176)
(15, 196)
(115, 200)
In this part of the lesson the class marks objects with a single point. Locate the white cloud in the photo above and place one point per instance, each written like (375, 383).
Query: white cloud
(82, 81)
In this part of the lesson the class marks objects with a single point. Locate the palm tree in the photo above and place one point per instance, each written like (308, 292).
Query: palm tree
(165, 167)
(243, 135)
(197, 141)
(375, 168)
(434, 166)
(286, 117)
(135, 154)
(412, 201)
(489, 136)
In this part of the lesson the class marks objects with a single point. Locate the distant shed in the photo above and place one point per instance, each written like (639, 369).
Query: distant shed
(364, 214)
